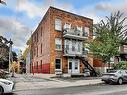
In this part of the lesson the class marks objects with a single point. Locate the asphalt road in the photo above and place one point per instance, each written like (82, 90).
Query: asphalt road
(100, 89)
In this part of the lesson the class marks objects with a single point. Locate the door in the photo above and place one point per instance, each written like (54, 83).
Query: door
(70, 67)
(73, 66)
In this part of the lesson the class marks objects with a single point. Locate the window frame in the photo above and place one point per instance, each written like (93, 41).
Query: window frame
(60, 49)
(58, 24)
(60, 64)
(85, 31)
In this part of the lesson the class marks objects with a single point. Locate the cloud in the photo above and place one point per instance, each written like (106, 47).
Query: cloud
(34, 9)
(29, 8)
(20, 33)
(13, 29)
(103, 6)
(112, 6)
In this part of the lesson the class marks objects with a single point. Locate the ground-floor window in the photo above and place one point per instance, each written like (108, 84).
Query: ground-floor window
(70, 65)
(58, 63)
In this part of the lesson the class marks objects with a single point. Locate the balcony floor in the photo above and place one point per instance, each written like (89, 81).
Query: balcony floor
(75, 37)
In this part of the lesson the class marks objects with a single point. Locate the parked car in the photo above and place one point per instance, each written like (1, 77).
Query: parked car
(6, 86)
(115, 76)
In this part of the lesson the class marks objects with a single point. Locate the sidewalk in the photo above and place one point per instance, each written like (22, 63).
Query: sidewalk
(53, 83)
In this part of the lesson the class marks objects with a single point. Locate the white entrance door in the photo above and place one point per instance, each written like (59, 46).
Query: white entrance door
(73, 66)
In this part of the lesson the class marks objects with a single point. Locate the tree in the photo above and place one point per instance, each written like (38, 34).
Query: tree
(121, 65)
(2, 2)
(109, 36)
(14, 56)
(4, 59)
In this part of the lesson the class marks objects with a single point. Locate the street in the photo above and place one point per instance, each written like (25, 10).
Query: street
(99, 89)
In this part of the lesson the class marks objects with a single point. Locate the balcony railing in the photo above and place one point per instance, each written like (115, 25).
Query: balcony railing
(75, 34)
(70, 52)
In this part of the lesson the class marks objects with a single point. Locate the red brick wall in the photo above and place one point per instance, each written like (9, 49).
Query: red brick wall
(65, 18)
(44, 40)
(49, 54)
(98, 63)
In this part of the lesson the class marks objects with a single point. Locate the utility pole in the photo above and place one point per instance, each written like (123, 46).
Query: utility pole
(10, 54)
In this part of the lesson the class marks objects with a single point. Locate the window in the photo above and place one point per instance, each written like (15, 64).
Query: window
(41, 65)
(41, 48)
(76, 65)
(37, 36)
(58, 44)
(73, 45)
(67, 47)
(125, 49)
(58, 25)
(41, 31)
(37, 51)
(58, 63)
(78, 46)
(86, 32)
(37, 65)
(67, 26)
(70, 65)
(79, 29)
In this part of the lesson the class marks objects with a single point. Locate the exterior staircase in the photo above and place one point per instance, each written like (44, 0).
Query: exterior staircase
(87, 65)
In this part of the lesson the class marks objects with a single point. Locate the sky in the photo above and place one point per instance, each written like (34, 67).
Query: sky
(21, 17)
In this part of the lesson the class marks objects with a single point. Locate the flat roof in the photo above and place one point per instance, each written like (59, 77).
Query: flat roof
(70, 13)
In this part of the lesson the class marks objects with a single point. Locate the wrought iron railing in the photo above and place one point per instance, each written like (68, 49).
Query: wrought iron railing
(75, 32)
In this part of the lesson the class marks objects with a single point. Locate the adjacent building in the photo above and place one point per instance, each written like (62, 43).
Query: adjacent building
(58, 39)
(123, 53)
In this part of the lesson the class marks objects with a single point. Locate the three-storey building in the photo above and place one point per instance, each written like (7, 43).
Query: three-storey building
(58, 39)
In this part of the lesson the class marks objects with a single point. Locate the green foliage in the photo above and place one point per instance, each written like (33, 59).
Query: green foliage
(109, 36)
(121, 65)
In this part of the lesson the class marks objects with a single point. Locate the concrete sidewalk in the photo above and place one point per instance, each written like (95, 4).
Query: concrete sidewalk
(53, 83)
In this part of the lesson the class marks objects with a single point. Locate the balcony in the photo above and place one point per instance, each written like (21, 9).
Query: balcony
(123, 49)
(75, 53)
(75, 34)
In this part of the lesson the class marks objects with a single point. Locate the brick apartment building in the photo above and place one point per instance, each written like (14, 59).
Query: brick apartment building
(58, 39)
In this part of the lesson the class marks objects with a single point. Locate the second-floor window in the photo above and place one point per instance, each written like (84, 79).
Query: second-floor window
(58, 24)
(58, 44)
(73, 46)
(67, 26)
(125, 49)
(86, 31)
(79, 49)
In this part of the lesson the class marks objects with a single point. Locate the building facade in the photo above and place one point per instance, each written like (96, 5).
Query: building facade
(123, 53)
(57, 40)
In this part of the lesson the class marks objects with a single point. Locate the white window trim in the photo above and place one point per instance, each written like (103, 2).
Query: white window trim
(61, 45)
(85, 30)
(56, 23)
(61, 64)
(67, 26)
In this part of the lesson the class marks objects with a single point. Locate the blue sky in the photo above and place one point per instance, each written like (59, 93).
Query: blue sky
(20, 17)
